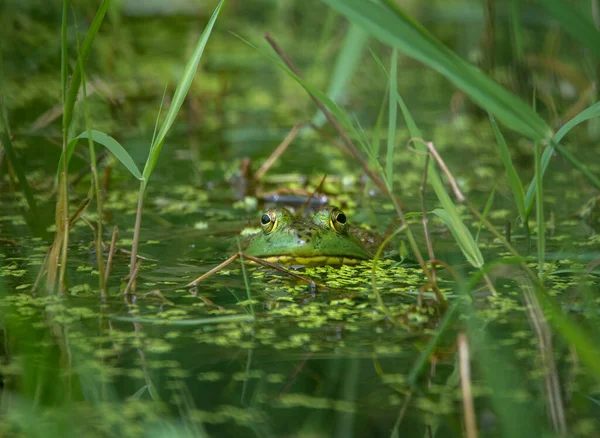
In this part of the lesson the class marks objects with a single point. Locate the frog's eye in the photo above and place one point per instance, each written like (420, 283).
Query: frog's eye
(338, 220)
(269, 221)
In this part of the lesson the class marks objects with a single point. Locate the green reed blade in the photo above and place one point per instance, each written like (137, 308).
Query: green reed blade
(393, 116)
(64, 67)
(180, 93)
(393, 27)
(578, 26)
(376, 135)
(588, 113)
(513, 177)
(334, 108)
(112, 145)
(516, 32)
(345, 66)
(13, 159)
(539, 217)
(486, 210)
(86, 47)
(461, 233)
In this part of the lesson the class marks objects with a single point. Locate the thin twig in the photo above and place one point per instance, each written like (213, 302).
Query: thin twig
(431, 148)
(424, 217)
(111, 252)
(132, 277)
(279, 150)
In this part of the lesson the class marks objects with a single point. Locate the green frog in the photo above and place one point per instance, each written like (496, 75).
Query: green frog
(325, 238)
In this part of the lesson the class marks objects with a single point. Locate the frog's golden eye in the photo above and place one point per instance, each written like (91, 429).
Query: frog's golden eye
(338, 220)
(269, 221)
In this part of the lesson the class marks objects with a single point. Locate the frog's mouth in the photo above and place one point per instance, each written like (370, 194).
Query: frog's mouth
(313, 261)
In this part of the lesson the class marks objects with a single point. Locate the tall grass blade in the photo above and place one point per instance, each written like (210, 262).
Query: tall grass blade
(463, 237)
(392, 26)
(180, 92)
(158, 139)
(64, 67)
(516, 32)
(393, 115)
(513, 177)
(61, 238)
(486, 210)
(579, 27)
(586, 114)
(86, 47)
(109, 143)
(345, 65)
(450, 213)
(539, 201)
(376, 135)
(95, 181)
(13, 159)
(333, 107)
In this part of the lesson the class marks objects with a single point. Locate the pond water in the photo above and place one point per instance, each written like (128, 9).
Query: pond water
(257, 353)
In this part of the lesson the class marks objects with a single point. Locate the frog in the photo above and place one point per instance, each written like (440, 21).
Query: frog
(324, 238)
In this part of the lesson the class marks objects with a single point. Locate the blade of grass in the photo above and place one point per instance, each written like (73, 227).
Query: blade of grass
(486, 210)
(462, 236)
(111, 144)
(392, 26)
(516, 32)
(393, 116)
(73, 89)
(539, 198)
(461, 232)
(180, 93)
(513, 177)
(61, 240)
(588, 113)
(578, 26)
(376, 136)
(13, 159)
(95, 181)
(345, 65)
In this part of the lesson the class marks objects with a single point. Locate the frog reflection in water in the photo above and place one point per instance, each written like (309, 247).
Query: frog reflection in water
(325, 238)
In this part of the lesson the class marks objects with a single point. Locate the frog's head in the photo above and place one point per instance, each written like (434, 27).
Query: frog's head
(321, 239)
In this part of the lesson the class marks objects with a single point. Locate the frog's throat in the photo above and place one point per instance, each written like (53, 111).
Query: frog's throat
(313, 261)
